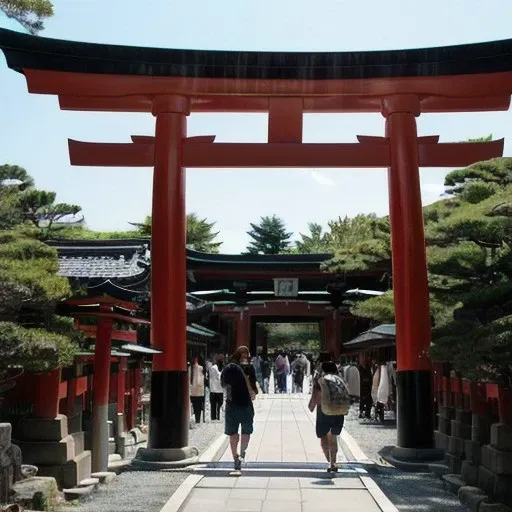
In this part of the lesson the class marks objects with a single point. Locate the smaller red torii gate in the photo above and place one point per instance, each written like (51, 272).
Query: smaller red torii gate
(331, 318)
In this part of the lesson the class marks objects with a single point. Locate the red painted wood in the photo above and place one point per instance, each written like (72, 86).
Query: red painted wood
(291, 308)
(127, 336)
(46, 403)
(285, 120)
(121, 386)
(470, 87)
(492, 390)
(81, 385)
(102, 362)
(368, 154)
(242, 329)
(63, 390)
(71, 396)
(505, 406)
(103, 299)
(253, 104)
(111, 316)
(137, 378)
(478, 398)
(410, 285)
(168, 257)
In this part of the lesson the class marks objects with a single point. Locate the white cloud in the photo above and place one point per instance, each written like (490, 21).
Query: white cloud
(320, 178)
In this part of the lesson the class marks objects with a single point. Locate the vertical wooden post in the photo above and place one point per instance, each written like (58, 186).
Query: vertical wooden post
(121, 385)
(242, 329)
(410, 285)
(100, 393)
(169, 417)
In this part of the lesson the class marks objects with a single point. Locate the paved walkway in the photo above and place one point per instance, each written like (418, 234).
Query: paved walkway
(285, 471)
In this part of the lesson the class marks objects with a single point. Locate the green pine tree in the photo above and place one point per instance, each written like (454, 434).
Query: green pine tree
(269, 236)
(28, 13)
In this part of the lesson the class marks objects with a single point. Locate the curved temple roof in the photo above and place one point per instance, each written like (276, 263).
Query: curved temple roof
(31, 52)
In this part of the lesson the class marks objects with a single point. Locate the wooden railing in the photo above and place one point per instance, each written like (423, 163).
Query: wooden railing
(484, 398)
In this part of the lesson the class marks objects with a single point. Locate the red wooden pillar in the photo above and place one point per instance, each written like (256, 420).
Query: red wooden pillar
(137, 371)
(242, 329)
(47, 394)
(169, 416)
(100, 393)
(71, 395)
(121, 385)
(410, 285)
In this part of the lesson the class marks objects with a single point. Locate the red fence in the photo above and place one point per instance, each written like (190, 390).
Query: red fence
(485, 398)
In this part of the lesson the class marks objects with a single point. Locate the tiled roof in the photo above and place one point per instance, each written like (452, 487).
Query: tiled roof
(99, 260)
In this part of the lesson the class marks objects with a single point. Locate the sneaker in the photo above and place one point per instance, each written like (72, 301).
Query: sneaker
(238, 464)
(242, 455)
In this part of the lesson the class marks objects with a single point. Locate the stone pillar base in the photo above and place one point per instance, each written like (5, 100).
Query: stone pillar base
(161, 458)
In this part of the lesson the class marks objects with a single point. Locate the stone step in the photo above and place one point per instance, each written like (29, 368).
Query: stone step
(89, 481)
(105, 477)
(78, 493)
(472, 497)
(118, 465)
(439, 470)
(453, 483)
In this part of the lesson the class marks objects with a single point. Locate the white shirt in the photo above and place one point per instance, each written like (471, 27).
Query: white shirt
(215, 386)
(197, 385)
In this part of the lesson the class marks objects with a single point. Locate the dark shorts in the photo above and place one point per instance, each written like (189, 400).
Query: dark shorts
(326, 424)
(237, 416)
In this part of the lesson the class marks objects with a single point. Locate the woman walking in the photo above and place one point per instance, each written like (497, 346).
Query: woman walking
(197, 388)
(216, 391)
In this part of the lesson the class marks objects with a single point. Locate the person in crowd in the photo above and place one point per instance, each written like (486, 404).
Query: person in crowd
(265, 372)
(239, 380)
(288, 371)
(280, 372)
(197, 388)
(256, 364)
(299, 367)
(366, 380)
(331, 398)
(216, 390)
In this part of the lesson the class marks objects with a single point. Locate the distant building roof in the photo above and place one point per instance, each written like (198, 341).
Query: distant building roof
(102, 259)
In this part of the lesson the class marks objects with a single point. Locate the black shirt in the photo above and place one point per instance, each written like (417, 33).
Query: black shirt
(233, 379)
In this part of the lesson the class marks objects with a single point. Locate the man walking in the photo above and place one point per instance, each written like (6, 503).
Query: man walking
(331, 398)
(239, 380)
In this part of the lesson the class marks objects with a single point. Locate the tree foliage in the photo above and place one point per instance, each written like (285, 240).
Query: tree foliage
(24, 203)
(269, 236)
(200, 234)
(31, 335)
(315, 242)
(28, 13)
(469, 260)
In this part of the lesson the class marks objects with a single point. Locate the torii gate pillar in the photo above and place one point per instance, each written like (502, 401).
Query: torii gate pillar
(169, 416)
(415, 411)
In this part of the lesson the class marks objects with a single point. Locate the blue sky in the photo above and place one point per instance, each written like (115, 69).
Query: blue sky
(34, 132)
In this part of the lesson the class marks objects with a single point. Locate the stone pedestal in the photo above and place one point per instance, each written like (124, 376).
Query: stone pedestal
(10, 462)
(56, 447)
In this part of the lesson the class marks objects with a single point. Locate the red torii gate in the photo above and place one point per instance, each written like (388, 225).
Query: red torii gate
(173, 83)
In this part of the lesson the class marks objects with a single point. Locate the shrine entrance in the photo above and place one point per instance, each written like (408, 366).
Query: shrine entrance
(171, 84)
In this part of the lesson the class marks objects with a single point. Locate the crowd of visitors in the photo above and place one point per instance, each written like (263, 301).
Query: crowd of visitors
(231, 384)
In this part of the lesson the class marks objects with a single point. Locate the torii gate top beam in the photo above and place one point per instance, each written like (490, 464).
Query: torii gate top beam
(90, 76)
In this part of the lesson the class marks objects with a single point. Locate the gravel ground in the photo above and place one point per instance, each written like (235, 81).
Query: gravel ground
(145, 491)
(407, 491)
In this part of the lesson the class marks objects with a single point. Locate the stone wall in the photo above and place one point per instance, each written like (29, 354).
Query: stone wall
(478, 459)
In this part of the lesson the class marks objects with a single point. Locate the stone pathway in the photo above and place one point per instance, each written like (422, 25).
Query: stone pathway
(286, 470)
